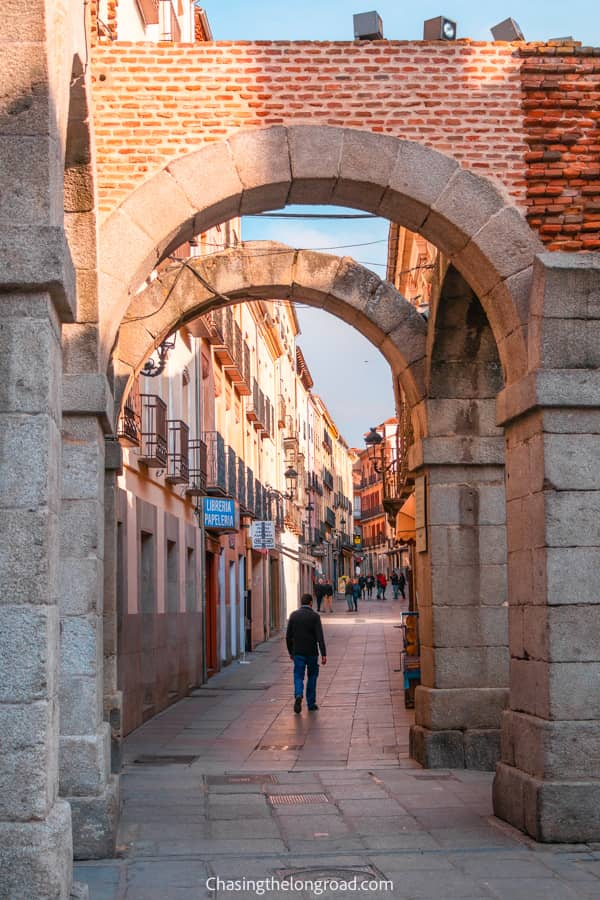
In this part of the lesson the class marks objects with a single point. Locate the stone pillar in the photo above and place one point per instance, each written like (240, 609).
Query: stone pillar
(85, 770)
(35, 826)
(461, 584)
(548, 782)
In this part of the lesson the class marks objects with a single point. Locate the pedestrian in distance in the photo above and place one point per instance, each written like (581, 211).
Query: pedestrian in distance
(327, 597)
(349, 594)
(319, 593)
(381, 586)
(362, 581)
(402, 584)
(395, 580)
(370, 586)
(304, 639)
(355, 593)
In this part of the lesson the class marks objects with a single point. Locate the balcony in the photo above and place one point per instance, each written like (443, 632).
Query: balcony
(250, 490)
(373, 541)
(235, 356)
(209, 326)
(232, 471)
(269, 419)
(281, 409)
(255, 407)
(178, 462)
(328, 479)
(292, 517)
(329, 517)
(258, 499)
(327, 443)
(224, 351)
(216, 474)
(373, 512)
(198, 471)
(129, 429)
(241, 482)
(153, 450)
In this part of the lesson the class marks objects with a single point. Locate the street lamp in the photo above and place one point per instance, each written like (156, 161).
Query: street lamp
(374, 441)
(291, 479)
(392, 497)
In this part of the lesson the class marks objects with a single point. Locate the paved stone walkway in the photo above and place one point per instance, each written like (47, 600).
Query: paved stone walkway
(365, 810)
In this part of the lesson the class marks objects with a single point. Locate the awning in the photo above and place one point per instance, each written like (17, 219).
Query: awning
(405, 521)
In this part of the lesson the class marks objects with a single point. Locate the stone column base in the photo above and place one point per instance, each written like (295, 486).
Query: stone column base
(475, 748)
(95, 822)
(564, 812)
(36, 857)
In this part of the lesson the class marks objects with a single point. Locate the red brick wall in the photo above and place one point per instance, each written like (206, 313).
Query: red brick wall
(528, 115)
(156, 102)
(561, 103)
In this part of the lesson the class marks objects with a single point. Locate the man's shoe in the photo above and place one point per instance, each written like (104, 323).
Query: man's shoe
(297, 704)
(313, 708)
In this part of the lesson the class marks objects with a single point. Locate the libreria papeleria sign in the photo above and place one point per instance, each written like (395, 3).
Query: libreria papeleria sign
(220, 514)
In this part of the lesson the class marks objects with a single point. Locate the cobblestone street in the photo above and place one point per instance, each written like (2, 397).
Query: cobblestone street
(334, 794)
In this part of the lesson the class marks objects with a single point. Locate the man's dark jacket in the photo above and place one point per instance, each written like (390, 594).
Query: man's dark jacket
(304, 636)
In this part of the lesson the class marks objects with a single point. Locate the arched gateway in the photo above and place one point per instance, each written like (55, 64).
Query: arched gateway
(547, 783)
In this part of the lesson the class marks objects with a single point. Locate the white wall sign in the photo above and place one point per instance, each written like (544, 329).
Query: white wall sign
(263, 535)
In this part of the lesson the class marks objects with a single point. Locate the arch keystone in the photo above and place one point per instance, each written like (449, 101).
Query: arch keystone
(366, 165)
(315, 152)
(272, 264)
(262, 161)
(314, 276)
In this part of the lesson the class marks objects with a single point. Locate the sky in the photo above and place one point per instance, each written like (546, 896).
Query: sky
(349, 373)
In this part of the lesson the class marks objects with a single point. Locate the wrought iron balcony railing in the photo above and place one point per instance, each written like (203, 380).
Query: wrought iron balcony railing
(198, 470)
(154, 448)
(178, 460)
(232, 471)
(129, 429)
(216, 479)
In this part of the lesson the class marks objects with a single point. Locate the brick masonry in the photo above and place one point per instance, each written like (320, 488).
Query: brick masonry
(156, 102)
(527, 115)
(561, 108)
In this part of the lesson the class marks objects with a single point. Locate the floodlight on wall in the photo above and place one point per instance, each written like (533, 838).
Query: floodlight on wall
(368, 26)
(439, 29)
(508, 30)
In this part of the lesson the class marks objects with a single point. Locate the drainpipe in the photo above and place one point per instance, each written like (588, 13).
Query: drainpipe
(198, 415)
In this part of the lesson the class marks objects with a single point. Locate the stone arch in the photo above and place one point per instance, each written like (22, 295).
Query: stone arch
(269, 270)
(470, 218)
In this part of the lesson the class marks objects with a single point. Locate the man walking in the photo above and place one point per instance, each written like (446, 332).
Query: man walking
(304, 639)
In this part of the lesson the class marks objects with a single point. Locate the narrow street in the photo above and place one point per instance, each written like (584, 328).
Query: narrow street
(229, 783)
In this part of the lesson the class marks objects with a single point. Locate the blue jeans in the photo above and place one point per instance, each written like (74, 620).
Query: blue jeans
(311, 664)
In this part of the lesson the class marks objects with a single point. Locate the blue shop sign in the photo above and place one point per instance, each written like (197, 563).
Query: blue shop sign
(220, 513)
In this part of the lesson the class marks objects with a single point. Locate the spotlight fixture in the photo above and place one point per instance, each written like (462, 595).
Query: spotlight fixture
(508, 30)
(368, 26)
(439, 29)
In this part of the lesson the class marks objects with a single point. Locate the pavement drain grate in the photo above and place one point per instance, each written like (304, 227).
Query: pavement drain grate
(280, 746)
(295, 799)
(165, 760)
(240, 779)
(232, 687)
(342, 873)
(433, 777)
